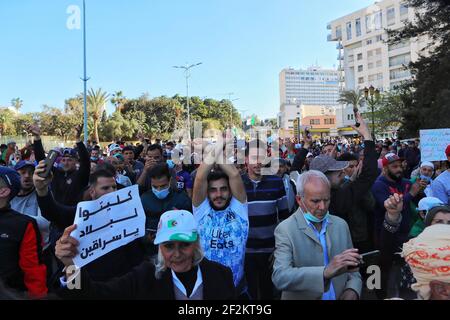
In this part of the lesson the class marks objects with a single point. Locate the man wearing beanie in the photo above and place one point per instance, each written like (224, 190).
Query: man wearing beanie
(21, 266)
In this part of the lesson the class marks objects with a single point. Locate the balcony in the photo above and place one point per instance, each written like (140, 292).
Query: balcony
(339, 46)
(328, 26)
(340, 57)
(330, 37)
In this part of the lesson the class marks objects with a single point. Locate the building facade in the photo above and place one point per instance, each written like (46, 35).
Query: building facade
(365, 56)
(313, 91)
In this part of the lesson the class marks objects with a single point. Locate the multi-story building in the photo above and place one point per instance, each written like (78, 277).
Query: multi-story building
(290, 112)
(305, 91)
(313, 86)
(364, 55)
(320, 126)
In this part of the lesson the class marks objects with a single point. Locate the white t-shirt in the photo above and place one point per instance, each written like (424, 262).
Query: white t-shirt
(223, 234)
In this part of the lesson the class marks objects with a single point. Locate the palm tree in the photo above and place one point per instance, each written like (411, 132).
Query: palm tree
(351, 97)
(96, 101)
(118, 100)
(17, 103)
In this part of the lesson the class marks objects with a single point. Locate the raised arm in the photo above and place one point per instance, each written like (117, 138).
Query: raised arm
(85, 164)
(62, 216)
(38, 148)
(300, 157)
(200, 190)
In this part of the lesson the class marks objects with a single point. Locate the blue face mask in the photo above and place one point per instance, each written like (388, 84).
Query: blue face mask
(347, 178)
(161, 194)
(94, 158)
(313, 219)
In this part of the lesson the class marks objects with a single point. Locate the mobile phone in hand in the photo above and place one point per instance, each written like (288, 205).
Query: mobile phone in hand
(49, 162)
(355, 112)
(368, 256)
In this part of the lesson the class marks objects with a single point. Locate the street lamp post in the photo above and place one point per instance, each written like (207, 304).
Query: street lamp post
(372, 97)
(85, 78)
(187, 69)
(231, 112)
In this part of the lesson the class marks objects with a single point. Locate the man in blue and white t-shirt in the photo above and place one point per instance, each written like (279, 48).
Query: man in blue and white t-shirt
(220, 209)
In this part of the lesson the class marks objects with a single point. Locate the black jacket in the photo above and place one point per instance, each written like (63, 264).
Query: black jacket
(21, 264)
(68, 186)
(344, 198)
(141, 284)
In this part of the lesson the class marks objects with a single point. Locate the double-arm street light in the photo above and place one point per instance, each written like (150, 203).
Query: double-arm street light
(372, 97)
(187, 74)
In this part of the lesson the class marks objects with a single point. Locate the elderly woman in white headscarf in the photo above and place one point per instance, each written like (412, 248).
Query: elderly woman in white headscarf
(428, 255)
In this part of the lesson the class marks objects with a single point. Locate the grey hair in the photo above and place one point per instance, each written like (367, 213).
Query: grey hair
(306, 177)
(160, 263)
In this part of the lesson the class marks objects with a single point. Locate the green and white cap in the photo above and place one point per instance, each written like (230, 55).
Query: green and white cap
(176, 225)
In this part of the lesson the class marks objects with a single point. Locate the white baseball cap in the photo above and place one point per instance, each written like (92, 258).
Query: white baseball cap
(429, 202)
(176, 225)
(427, 164)
(113, 147)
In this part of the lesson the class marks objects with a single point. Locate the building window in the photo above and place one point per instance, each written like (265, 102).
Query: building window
(358, 27)
(368, 23)
(403, 59)
(360, 68)
(351, 58)
(349, 30)
(378, 18)
(390, 16)
(399, 74)
(399, 45)
(369, 42)
(370, 65)
(369, 53)
(403, 11)
(379, 38)
(348, 117)
(378, 51)
(361, 80)
(339, 32)
(378, 63)
(359, 56)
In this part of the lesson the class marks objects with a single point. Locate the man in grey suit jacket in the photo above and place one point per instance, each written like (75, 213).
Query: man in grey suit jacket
(301, 269)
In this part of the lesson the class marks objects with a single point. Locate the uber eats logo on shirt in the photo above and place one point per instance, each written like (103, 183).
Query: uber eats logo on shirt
(220, 239)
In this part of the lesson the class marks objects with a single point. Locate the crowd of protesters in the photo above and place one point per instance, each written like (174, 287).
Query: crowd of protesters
(300, 232)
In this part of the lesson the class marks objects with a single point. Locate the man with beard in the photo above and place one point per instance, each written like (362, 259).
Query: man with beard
(26, 200)
(390, 183)
(220, 208)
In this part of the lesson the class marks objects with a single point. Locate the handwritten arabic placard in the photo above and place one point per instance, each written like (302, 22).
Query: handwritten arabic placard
(433, 143)
(108, 223)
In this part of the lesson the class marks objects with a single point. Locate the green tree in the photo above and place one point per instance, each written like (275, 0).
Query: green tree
(6, 122)
(74, 107)
(428, 104)
(17, 103)
(96, 101)
(353, 98)
(118, 100)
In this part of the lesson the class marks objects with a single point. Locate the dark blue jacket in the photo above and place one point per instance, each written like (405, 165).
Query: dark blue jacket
(381, 190)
